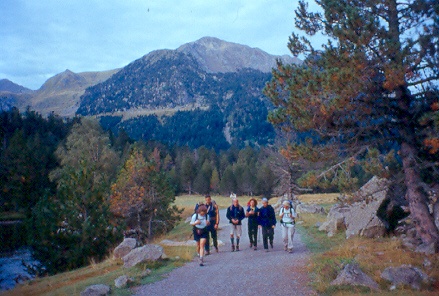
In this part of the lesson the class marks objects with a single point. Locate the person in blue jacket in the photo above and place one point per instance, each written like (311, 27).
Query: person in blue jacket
(235, 214)
(267, 221)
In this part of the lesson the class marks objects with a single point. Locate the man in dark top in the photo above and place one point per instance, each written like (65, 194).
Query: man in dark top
(213, 213)
(235, 214)
(267, 221)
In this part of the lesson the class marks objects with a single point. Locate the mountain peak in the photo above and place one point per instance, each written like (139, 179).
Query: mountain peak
(218, 56)
(9, 86)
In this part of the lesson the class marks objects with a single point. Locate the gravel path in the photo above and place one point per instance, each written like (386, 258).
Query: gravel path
(240, 273)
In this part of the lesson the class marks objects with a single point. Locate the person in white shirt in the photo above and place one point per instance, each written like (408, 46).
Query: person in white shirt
(200, 221)
(287, 216)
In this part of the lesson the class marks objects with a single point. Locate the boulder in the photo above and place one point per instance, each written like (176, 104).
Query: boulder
(359, 218)
(122, 281)
(310, 208)
(142, 254)
(362, 218)
(405, 275)
(124, 248)
(335, 220)
(352, 275)
(96, 290)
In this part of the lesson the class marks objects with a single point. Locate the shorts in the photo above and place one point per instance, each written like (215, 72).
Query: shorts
(198, 236)
(236, 230)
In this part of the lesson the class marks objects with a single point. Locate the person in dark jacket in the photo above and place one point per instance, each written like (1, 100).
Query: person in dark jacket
(235, 214)
(252, 215)
(213, 212)
(267, 221)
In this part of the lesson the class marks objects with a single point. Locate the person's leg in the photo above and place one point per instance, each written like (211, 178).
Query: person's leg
(232, 237)
(207, 244)
(238, 235)
(291, 231)
(255, 236)
(271, 236)
(285, 235)
(214, 234)
(250, 235)
(202, 243)
(265, 237)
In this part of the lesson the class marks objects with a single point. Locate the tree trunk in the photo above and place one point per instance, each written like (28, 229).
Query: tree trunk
(417, 198)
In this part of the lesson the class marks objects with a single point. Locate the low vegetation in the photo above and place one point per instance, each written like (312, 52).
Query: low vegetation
(330, 254)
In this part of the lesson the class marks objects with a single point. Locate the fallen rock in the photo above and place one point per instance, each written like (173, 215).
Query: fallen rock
(142, 254)
(352, 275)
(405, 275)
(96, 290)
(124, 248)
(362, 218)
(359, 218)
(334, 220)
(310, 208)
(122, 281)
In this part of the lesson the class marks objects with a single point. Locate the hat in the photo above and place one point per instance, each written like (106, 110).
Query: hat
(286, 203)
(264, 199)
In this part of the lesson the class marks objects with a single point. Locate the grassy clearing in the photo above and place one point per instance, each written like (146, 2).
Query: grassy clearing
(329, 255)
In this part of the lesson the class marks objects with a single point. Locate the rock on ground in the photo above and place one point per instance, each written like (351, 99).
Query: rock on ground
(352, 275)
(124, 248)
(405, 275)
(122, 281)
(310, 208)
(142, 254)
(96, 290)
(359, 218)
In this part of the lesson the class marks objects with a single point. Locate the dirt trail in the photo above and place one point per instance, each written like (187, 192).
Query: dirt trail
(246, 272)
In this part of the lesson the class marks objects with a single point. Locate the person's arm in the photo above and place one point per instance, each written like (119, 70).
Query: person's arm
(217, 218)
(228, 215)
(281, 213)
(193, 221)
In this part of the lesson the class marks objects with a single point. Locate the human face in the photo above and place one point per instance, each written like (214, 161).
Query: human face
(235, 202)
(265, 204)
(208, 200)
(252, 203)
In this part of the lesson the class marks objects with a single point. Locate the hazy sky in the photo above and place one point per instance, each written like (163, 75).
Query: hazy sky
(40, 38)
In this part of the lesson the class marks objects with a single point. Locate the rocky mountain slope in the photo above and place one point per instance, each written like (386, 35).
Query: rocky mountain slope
(59, 94)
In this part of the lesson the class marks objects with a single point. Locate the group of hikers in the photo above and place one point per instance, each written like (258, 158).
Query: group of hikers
(206, 218)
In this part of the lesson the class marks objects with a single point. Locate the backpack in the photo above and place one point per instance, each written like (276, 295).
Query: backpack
(291, 213)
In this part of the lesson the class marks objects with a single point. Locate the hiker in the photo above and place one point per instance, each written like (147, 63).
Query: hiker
(235, 214)
(288, 217)
(200, 221)
(267, 221)
(252, 215)
(213, 213)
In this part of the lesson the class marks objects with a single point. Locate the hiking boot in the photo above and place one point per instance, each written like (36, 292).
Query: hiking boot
(201, 261)
(285, 248)
(251, 245)
(216, 249)
(290, 251)
(207, 253)
(233, 248)
(255, 248)
(237, 248)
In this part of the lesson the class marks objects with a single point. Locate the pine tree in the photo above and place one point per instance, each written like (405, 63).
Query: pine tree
(373, 86)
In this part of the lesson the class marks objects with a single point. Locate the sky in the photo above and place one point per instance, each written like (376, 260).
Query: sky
(42, 38)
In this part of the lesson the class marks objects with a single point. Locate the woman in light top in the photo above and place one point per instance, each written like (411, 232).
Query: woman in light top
(200, 221)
